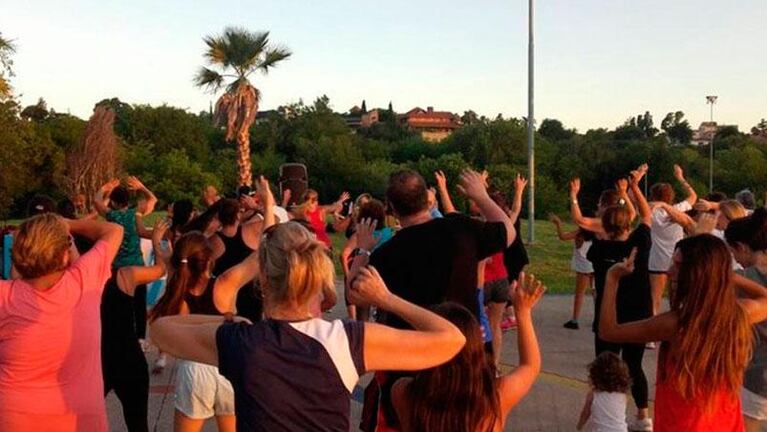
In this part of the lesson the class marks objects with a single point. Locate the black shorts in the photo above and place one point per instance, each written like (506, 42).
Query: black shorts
(497, 291)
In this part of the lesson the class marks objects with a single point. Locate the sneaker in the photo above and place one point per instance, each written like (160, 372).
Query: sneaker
(508, 323)
(572, 325)
(641, 425)
(650, 345)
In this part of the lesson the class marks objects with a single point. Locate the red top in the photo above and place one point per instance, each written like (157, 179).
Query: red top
(674, 413)
(495, 269)
(318, 224)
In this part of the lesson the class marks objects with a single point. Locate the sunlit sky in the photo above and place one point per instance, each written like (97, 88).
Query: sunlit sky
(598, 62)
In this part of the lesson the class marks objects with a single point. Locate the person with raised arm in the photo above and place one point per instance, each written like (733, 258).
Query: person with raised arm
(634, 300)
(477, 398)
(666, 232)
(49, 327)
(124, 366)
(430, 261)
(584, 270)
(706, 336)
(311, 211)
(609, 197)
(286, 366)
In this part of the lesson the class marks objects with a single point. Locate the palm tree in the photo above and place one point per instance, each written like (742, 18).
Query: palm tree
(238, 53)
(6, 49)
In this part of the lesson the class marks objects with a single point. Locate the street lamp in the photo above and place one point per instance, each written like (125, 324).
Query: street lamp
(711, 100)
(530, 128)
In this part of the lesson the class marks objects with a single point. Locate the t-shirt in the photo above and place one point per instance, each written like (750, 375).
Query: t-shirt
(292, 376)
(130, 248)
(633, 300)
(436, 261)
(50, 356)
(755, 379)
(665, 235)
(515, 256)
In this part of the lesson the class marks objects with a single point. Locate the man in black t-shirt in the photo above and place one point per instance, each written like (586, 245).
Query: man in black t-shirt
(430, 261)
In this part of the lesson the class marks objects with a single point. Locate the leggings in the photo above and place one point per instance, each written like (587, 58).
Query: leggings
(631, 354)
(139, 310)
(128, 376)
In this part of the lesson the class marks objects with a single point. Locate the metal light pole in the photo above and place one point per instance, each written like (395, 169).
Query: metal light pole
(711, 100)
(530, 128)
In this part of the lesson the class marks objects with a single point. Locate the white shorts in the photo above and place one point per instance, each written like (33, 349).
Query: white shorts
(754, 405)
(201, 392)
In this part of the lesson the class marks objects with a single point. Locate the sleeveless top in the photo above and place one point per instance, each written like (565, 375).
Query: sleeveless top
(129, 253)
(318, 224)
(674, 413)
(608, 413)
(235, 252)
(118, 325)
(202, 304)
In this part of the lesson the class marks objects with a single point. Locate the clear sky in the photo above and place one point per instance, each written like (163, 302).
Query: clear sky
(598, 61)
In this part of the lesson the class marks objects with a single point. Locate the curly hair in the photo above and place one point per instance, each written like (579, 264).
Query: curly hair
(608, 373)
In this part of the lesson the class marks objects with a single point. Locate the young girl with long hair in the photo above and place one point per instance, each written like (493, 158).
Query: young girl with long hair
(707, 336)
(464, 394)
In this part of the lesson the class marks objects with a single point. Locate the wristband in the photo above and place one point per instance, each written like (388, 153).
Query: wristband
(362, 251)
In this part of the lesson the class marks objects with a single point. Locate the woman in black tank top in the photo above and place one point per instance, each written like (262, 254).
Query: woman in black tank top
(124, 367)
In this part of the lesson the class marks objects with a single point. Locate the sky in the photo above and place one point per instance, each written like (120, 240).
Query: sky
(598, 62)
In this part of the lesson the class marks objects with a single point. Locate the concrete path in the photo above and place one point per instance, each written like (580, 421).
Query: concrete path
(553, 404)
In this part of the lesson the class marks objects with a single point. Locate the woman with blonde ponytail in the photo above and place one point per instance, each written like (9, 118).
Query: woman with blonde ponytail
(295, 371)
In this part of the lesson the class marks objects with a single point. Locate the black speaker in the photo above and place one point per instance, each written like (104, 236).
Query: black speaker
(293, 176)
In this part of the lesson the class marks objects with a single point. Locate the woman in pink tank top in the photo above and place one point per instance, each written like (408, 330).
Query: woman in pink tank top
(706, 336)
(311, 211)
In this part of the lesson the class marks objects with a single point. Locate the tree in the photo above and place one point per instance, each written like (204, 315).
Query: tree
(37, 112)
(760, 129)
(677, 129)
(469, 117)
(7, 48)
(554, 130)
(238, 53)
(645, 123)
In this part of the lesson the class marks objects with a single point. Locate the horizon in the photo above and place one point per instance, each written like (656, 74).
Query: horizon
(142, 53)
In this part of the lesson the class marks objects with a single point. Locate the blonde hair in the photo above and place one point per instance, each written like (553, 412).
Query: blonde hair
(39, 244)
(732, 209)
(295, 264)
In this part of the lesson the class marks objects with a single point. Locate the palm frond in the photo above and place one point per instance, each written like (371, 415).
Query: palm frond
(7, 44)
(244, 47)
(209, 79)
(272, 57)
(216, 52)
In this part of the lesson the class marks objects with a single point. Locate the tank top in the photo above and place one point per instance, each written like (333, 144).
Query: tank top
(608, 413)
(129, 253)
(235, 252)
(495, 269)
(318, 224)
(203, 304)
(118, 326)
(674, 413)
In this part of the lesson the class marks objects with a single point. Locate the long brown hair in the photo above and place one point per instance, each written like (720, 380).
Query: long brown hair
(714, 341)
(192, 259)
(462, 394)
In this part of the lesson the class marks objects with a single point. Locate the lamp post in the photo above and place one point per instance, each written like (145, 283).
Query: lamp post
(530, 128)
(711, 100)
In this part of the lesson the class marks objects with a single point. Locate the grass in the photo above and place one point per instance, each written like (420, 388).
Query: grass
(549, 257)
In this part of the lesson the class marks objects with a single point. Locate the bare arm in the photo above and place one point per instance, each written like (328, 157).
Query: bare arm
(586, 411)
(100, 198)
(516, 205)
(93, 230)
(680, 218)
(228, 284)
(645, 214)
(589, 224)
(434, 341)
(564, 236)
(756, 303)
(472, 185)
(692, 196)
(338, 205)
(515, 385)
(141, 229)
(350, 245)
(151, 200)
(130, 277)
(622, 187)
(658, 328)
(444, 194)
(190, 337)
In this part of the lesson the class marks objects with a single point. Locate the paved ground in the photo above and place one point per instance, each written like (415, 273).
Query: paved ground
(553, 404)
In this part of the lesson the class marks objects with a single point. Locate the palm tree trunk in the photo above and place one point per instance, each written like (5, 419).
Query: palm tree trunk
(243, 157)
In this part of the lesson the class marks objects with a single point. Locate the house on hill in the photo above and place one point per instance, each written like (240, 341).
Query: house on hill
(433, 125)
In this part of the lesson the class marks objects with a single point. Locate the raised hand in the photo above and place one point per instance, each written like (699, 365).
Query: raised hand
(639, 173)
(622, 185)
(264, 191)
(485, 178)
(161, 226)
(368, 288)
(134, 184)
(472, 185)
(520, 183)
(706, 223)
(526, 291)
(625, 267)
(344, 196)
(703, 205)
(679, 173)
(365, 238)
(555, 219)
(575, 187)
(439, 176)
